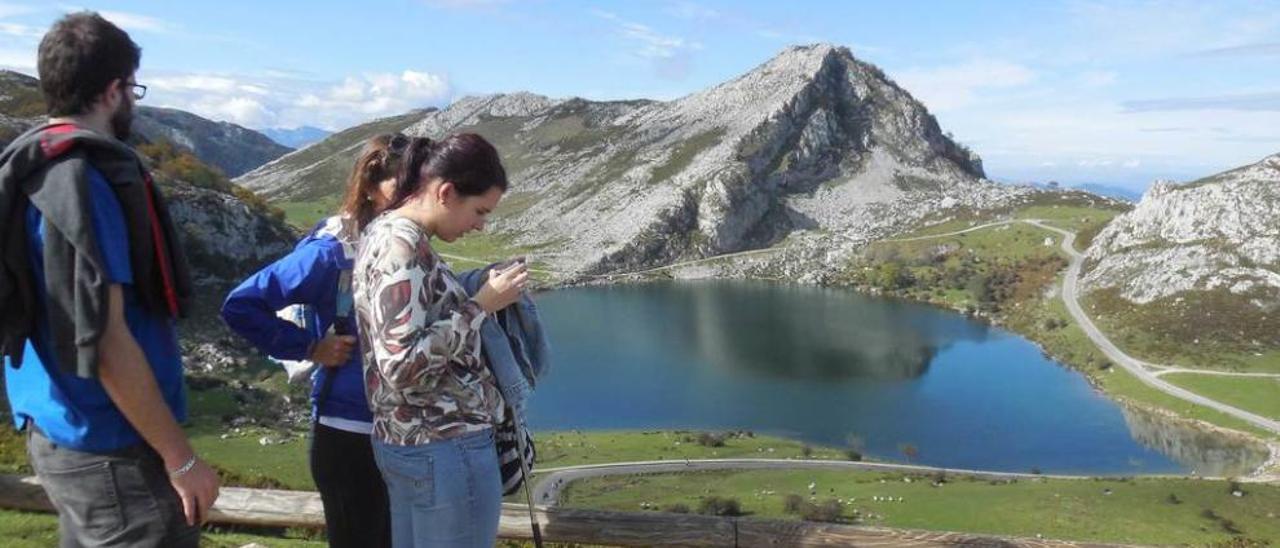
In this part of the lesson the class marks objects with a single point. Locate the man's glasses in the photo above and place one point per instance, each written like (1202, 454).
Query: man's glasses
(139, 90)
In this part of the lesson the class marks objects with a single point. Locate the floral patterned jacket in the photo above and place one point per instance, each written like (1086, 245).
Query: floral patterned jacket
(420, 333)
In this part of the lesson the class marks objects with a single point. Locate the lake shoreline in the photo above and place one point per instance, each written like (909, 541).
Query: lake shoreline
(1267, 470)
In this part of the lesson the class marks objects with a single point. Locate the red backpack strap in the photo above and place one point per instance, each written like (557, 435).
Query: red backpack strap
(53, 141)
(161, 246)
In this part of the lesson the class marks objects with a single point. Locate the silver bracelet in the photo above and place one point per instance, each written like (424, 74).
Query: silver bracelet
(182, 470)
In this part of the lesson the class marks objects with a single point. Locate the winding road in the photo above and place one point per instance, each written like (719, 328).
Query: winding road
(1138, 368)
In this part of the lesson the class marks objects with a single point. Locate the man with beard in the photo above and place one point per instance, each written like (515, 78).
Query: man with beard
(92, 280)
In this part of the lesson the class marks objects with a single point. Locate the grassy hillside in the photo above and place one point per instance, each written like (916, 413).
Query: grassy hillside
(326, 165)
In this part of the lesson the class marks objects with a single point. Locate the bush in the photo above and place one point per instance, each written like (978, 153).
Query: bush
(806, 451)
(719, 506)
(828, 511)
(707, 439)
(676, 508)
(792, 504)
(853, 455)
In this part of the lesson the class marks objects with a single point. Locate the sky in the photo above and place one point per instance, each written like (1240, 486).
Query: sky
(1117, 93)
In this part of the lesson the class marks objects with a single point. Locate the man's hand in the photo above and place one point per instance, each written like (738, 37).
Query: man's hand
(130, 383)
(333, 350)
(198, 489)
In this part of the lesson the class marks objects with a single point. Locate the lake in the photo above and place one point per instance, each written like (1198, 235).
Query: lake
(834, 367)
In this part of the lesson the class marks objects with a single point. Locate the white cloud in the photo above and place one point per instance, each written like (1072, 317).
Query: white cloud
(9, 10)
(465, 4)
(952, 87)
(1098, 78)
(22, 60)
(133, 22)
(130, 22)
(21, 31)
(279, 100)
(692, 11)
(1128, 29)
(671, 56)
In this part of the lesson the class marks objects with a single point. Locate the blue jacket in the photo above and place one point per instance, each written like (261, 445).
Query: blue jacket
(514, 344)
(309, 276)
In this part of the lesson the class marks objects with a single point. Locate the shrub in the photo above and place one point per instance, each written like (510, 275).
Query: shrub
(792, 504)
(719, 506)
(707, 439)
(828, 511)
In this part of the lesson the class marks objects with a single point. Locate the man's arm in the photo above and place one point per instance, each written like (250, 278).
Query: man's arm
(131, 385)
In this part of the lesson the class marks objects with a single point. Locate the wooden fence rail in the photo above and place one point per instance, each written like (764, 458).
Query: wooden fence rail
(278, 508)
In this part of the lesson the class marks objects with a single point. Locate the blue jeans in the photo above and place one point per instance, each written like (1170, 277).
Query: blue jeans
(444, 493)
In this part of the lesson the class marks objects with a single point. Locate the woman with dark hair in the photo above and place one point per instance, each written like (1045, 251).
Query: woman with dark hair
(299, 311)
(435, 402)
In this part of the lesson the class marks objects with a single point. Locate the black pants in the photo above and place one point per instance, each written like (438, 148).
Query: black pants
(351, 488)
(121, 498)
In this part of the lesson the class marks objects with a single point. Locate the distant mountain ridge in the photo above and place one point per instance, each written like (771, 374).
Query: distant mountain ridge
(1111, 191)
(295, 138)
(814, 147)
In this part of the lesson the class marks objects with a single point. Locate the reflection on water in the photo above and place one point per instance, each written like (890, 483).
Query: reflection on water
(827, 365)
(813, 333)
(1206, 452)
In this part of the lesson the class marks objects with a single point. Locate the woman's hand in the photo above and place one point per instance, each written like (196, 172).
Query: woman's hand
(333, 350)
(503, 288)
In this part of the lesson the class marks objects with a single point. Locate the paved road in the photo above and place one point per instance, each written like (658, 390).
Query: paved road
(1164, 370)
(549, 487)
(1133, 365)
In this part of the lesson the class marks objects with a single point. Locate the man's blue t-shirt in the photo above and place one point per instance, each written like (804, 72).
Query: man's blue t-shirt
(77, 412)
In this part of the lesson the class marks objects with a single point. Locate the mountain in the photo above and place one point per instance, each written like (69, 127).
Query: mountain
(295, 138)
(229, 147)
(233, 149)
(1203, 258)
(814, 147)
(320, 170)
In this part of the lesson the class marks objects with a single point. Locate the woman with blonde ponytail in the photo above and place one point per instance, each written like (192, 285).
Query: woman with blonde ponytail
(299, 310)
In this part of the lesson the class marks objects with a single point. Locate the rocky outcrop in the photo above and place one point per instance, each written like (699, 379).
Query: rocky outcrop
(225, 239)
(1218, 233)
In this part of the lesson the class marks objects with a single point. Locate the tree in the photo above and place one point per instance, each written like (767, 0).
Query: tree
(910, 451)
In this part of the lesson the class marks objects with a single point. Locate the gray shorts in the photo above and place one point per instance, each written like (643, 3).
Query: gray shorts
(122, 498)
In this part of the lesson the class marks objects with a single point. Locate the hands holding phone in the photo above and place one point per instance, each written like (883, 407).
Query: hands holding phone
(504, 286)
